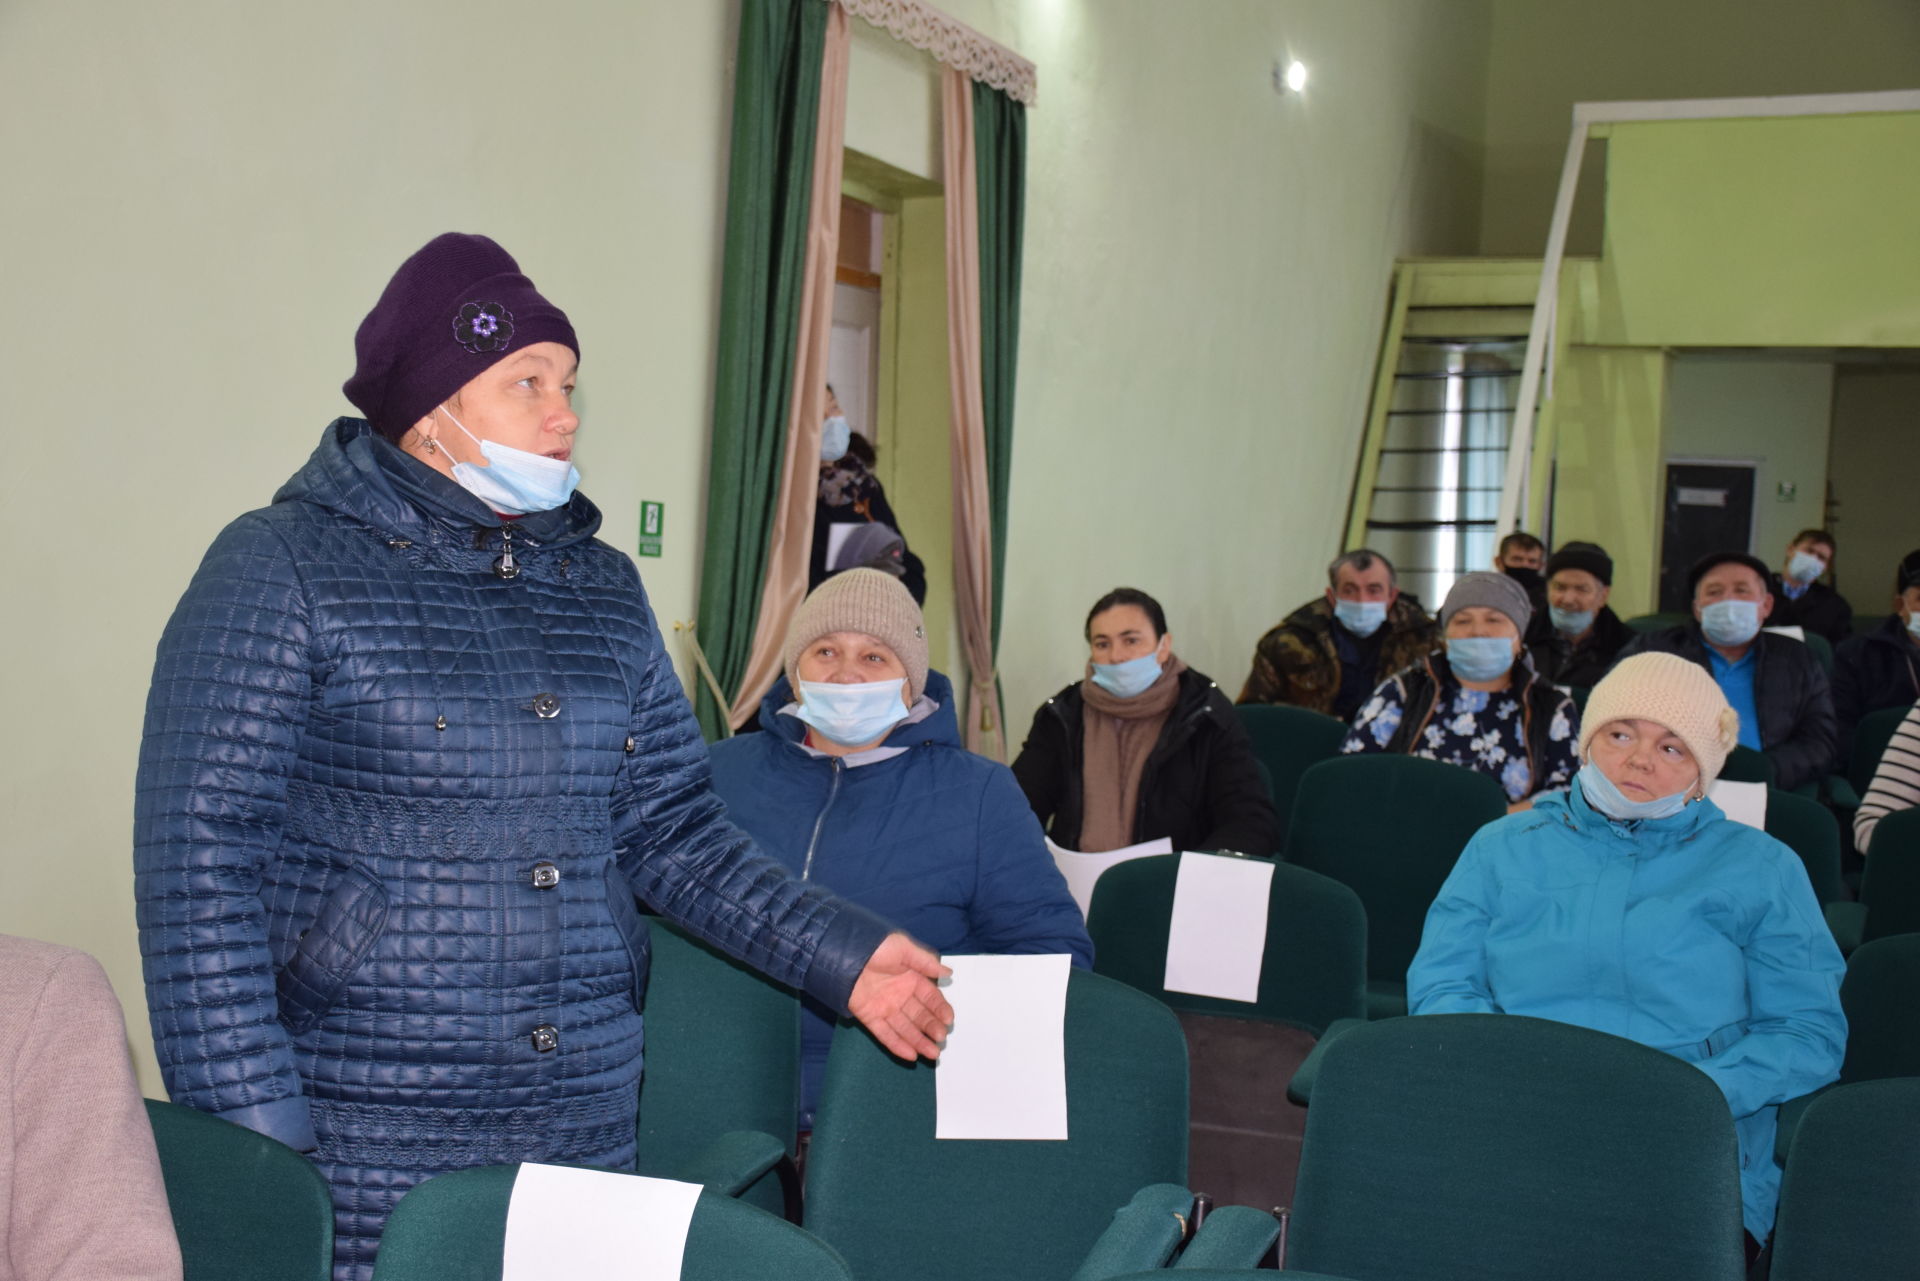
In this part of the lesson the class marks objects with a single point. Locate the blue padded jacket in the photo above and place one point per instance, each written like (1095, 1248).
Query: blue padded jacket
(921, 831)
(405, 767)
(1694, 934)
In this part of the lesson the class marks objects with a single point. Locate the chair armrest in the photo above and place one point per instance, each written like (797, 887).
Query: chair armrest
(1143, 1235)
(1848, 921)
(1234, 1237)
(1789, 1120)
(1840, 792)
(732, 1162)
(1300, 1088)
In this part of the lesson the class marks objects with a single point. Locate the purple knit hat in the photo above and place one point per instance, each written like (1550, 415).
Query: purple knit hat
(452, 310)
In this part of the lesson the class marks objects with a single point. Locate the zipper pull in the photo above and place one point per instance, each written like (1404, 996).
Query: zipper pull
(504, 565)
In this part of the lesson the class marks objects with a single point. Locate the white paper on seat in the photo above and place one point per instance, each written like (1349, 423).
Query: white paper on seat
(594, 1225)
(1003, 1074)
(837, 535)
(1743, 802)
(1218, 938)
(1082, 870)
(1796, 631)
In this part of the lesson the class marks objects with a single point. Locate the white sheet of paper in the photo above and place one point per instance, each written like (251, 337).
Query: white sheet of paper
(1796, 631)
(1082, 870)
(837, 535)
(1003, 1074)
(592, 1225)
(1218, 937)
(1743, 802)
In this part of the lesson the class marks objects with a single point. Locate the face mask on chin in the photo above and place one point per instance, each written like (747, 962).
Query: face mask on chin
(514, 482)
(1603, 796)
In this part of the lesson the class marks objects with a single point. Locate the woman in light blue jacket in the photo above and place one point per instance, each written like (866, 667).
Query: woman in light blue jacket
(1630, 904)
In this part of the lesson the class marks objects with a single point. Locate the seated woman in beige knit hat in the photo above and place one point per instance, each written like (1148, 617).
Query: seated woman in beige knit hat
(1630, 904)
(1145, 747)
(860, 783)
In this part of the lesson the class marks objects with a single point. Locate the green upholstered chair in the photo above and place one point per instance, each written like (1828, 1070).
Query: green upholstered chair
(1810, 830)
(1658, 622)
(1869, 744)
(453, 1228)
(1880, 995)
(895, 1201)
(1233, 1274)
(1288, 741)
(1889, 888)
(1390, 828)
(1315, 967)
(1822, 651)
(1744, 765)
(1852, 1182)
(722, 1056)
(1245, 1144)
(245, 1207)
(1485, 1147)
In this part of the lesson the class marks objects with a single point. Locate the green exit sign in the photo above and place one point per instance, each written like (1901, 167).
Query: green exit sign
(653, 518)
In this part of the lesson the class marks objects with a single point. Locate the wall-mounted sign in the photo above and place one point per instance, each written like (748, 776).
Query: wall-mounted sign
(653, 517)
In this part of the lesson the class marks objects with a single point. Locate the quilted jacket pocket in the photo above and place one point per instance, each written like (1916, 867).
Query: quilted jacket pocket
(633, 930)
(344, 932)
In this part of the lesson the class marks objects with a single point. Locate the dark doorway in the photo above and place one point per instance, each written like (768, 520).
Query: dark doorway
(1709, 509)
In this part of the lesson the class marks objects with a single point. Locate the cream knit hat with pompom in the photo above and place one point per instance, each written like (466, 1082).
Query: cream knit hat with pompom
(1672, 691)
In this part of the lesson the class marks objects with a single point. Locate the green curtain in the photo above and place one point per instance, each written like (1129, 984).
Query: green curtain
(1000, 164)
(776, 108)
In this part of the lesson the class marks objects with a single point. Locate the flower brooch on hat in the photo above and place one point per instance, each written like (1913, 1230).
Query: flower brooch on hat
(483, 326)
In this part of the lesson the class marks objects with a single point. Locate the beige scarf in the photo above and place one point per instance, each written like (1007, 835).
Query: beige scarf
(1116, 737)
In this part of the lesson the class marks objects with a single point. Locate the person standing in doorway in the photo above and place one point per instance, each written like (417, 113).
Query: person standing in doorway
(850, 497)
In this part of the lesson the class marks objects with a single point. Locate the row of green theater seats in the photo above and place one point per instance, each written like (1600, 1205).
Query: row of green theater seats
(1442, 1147)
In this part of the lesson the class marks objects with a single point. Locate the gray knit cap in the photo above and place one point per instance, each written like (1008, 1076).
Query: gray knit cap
(861, 600)
(1494, 591)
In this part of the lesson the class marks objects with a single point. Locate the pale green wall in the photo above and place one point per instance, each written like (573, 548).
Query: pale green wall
(1546, 55)
(1875, 442)
(1771, 410)
(203, 198)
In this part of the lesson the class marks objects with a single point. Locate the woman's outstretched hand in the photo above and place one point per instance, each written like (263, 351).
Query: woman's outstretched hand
(895, 998)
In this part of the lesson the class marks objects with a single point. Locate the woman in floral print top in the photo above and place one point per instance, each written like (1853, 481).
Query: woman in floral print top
(1479, 705)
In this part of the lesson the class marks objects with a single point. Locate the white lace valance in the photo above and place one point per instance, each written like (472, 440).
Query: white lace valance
(950, 41)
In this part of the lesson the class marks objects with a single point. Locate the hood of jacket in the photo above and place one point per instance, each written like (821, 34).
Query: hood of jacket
(356, 472)
(942, 726)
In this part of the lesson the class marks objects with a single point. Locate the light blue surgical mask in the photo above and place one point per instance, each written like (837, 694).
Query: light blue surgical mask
(1125, 680)
(835, 435)
(1804, 567)
(1479, 658)
(852, 715)
(1913, 624)
(1731, 622)
(1572, 621)
(1611, 801)
(1361, 617)
(514, 482)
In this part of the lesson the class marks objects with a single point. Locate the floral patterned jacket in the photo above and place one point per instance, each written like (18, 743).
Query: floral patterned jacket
(1526, 737)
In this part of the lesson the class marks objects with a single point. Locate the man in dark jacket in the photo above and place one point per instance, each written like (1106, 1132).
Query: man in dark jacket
(1331, 653)
(1774, 682)
(1193, 780)
(1582, 635)
(1881, 668)
(1800, 599)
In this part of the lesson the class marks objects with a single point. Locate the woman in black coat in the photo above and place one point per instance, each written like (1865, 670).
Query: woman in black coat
(1143, 748)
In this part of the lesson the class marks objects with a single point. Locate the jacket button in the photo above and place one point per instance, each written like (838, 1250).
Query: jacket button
(546, 706)
(546, 1039)
(629, 745)
(399, 544)
(545, 876)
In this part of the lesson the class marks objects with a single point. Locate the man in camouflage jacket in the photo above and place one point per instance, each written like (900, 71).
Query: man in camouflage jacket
(1313, 659)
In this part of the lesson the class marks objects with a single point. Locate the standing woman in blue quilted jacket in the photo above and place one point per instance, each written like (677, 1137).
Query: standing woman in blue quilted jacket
(412, 748)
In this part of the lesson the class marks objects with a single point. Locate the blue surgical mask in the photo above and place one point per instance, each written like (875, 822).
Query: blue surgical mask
(852, 715)
(835, 435)
(1571, 621)
(1731, 622)
(1125, 680)
(514, 482)
(1804, 567)
(1913, 624)
(1611, 801)
(1479, 658)
(1361, 617)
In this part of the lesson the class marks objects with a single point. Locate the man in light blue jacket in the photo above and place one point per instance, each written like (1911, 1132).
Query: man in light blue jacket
(1632, 905)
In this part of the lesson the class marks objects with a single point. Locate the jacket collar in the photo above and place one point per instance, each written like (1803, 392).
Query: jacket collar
(355, 471)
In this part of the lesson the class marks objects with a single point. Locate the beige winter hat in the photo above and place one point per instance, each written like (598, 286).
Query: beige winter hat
(1672, 691)
(862, 600)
